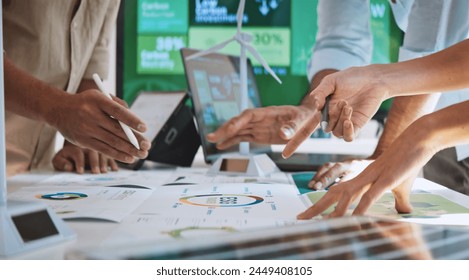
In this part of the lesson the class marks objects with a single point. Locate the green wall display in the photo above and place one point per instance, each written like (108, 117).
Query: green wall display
(151, 32)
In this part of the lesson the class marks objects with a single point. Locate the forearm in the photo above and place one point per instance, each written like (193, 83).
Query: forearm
(28, 96)
(442, 129)
(404, 111)
(442, 71)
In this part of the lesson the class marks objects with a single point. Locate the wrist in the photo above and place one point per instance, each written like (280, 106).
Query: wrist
(53, 103)
(383, 79)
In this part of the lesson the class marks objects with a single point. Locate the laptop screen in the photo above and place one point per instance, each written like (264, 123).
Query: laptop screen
(214, 86)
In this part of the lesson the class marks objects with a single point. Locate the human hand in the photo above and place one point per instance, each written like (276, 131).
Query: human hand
(332, 172)
(264, 125)
(84, 120)
(394, 170)
(73, 158)
(343, 128)
(360, 88)
(273, 125)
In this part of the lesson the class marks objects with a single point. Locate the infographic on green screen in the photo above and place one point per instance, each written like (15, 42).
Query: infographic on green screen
(152, 32)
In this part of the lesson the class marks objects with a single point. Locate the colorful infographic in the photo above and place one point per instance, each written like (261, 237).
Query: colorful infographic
(62, 196)
(229, 200)
(222, 200)
(425, 205)
(152, 32)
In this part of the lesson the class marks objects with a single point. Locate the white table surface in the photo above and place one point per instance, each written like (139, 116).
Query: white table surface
(90, 233)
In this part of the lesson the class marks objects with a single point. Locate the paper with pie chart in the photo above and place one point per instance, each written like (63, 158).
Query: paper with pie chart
(187, 211)
(240, 200)
(102, 203)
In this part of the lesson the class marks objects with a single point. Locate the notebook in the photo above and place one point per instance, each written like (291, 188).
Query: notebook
(214, 85)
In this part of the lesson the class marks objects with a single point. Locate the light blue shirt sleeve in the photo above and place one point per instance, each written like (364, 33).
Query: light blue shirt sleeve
(434, 25)
(344, 36)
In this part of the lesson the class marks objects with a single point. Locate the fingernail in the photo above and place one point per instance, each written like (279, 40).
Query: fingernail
(348, 110)
(129, 159)
(287, 131)
(311, 184)
(318, 186)
(141, 127)
(80, 170)
(301, 216)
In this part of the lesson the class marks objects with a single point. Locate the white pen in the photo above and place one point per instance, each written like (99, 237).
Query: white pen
(325, 114)
(126, 129)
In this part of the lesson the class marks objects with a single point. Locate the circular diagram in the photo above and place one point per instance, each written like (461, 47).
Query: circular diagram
(62, 196)
(222, 200)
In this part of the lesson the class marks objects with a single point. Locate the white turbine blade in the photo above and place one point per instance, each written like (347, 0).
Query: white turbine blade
(262, 61)
(240, 14)
(211, 50)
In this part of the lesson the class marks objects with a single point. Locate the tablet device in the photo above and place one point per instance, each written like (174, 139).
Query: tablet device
(170, 127)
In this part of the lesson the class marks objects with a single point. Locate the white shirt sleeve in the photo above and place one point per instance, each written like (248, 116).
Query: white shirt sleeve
(344, 36)
(433, 26)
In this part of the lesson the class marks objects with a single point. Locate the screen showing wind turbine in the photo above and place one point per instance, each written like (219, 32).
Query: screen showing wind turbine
(152, 32)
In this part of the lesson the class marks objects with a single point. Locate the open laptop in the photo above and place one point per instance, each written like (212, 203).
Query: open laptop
(214, 85)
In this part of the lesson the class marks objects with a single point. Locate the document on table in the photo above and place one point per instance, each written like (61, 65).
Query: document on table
(181, 211)
(188, 178)
(143, 228)
(122, 178)
(428, 208)
(246, 200)
(101, 203)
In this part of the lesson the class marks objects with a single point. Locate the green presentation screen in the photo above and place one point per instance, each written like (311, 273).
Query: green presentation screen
(151, 32)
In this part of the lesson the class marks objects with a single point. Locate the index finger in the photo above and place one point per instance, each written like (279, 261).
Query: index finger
(324, 89)
(120, 101)
(303, 133)
(120, 113)
(319, 207)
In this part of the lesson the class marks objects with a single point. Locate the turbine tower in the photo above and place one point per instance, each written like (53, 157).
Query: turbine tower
(244, 40)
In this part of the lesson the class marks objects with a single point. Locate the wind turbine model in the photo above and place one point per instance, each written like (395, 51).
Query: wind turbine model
(255, 165)
(24, 226)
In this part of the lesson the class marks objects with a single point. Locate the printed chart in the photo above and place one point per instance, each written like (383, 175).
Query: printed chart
(123, 178)
(186, 211)
(154, 228)
(103, 203)
(428, 208)
(255, 200)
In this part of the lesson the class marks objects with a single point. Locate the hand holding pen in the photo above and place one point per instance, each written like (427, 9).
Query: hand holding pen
(337, 121)
(84, 119)
(128, 132)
